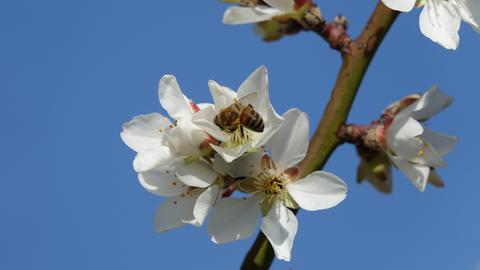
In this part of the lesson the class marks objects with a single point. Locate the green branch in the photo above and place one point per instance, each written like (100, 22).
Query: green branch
(325, 141)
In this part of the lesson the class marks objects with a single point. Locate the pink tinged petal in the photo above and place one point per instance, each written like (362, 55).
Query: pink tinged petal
(440, 21)
(172, 211)
(204, 120)
(400, 5)
(234, 219)
(158, 157)
(280, 227)
(222, 95)
(470, 11)
(402, 136)
(256, 86)
(172, 99)
(284, 5)
(431, 103)
(319, 190)
(230, 154)
(144, 132)
(289, 144)
(203, 204)
(162, 182)
(442, 143)
(241, 15)
(416, 173)
(196, 173)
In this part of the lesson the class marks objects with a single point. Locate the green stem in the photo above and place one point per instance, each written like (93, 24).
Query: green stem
(325, 141)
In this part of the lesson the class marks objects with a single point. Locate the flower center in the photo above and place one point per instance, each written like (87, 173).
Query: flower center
(273, 186)
(240, 136)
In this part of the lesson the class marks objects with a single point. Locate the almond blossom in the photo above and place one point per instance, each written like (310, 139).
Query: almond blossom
(160, 143)
(440, 19)
(275, 187)
(252, 92)
(172, 159)
(413, 148)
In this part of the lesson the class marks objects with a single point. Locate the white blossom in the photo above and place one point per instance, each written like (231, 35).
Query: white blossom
(170, 161)
(275, 187)
(252, 92)
(161, 144)
(413, 148)
(258, 13)
(440, 19)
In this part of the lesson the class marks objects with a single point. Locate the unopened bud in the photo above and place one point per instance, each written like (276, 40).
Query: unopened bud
(302, 3)
(435, 180)
(277, 28)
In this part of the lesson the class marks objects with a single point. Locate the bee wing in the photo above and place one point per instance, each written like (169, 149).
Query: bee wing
(249, 98)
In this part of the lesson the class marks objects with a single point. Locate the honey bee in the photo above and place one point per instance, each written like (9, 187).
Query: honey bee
(237, 116)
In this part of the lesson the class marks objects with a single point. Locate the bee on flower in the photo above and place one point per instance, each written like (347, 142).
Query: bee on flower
(241, 121)
(275, 187)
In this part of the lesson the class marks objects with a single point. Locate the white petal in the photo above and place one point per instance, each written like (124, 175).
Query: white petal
(147, 160)
(400, 5)
(431, 103)
(243, 166)
(230, 154)
(196, 173)
(256, 84)
(203, 204)
(272, 123)
(319, 190)
(284, 5)
(431, 157)
(440, 142)
(440, 21)
(234, 219)
(172, 98)
(204, 120)
(143, 132)
(240, 15)
(162, 182)
(172, 211)
(202, 106)
(186, 137)
(470, 11)
(280, 227)
(417, 174)
(289, 144)
(222, 95)
(402, 136)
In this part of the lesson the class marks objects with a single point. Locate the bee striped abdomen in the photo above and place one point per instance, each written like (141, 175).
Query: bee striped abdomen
(251, 119)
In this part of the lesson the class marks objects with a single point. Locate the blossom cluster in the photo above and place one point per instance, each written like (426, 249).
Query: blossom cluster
(401, 138)
(440, 20)
(235, 158)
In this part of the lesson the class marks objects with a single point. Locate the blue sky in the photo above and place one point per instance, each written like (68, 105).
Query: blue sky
(74, 71)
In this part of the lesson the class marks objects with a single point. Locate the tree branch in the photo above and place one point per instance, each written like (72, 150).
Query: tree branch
(325, 141)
